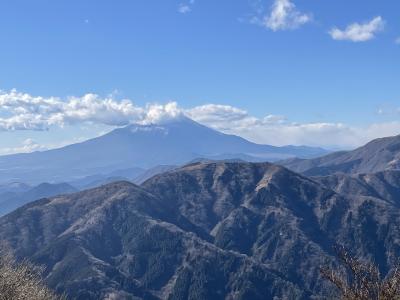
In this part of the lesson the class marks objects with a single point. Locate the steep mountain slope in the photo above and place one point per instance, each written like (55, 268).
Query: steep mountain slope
(281, 218)
(384, 185)
(12, 200)
(145, 146)
(119, 241)
(204, 231)
(378, 155)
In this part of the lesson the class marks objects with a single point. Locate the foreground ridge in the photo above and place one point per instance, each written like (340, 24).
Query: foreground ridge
(208, 230)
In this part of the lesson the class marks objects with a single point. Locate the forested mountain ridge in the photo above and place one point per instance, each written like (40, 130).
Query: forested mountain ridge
(213, 230)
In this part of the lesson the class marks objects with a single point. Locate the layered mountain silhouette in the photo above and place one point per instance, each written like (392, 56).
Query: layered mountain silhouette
(14, 198)
(14, 187)
(208, 230)
(378, 155)
(139, 146)
(15, 194)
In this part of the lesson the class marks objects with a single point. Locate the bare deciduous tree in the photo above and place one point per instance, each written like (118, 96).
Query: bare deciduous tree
(363, 281)
(22, 281)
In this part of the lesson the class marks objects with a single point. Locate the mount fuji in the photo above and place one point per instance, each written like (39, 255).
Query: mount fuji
(173, 142)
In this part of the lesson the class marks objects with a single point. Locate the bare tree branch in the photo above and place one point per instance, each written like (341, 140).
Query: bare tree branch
(363, 281)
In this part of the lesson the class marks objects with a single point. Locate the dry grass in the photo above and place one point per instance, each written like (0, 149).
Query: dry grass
(363, 280)
(22, 281)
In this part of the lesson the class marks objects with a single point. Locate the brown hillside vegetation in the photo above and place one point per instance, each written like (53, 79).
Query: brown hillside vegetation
(22, 281)
(364, 281)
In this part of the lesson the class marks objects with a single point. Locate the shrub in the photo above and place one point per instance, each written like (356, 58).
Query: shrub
(363, 280)
(23, 281)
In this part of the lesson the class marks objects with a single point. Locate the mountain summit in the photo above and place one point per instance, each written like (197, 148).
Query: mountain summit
(173, 142)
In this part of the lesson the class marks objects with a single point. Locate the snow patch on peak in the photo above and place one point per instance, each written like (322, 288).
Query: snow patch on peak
(147, 128)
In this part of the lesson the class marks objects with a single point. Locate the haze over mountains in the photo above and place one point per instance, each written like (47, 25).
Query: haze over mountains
(12, 198)
(145, 146)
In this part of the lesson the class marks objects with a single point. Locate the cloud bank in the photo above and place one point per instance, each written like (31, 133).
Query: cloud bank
(22, 111)
(357, 32)
(277, 130)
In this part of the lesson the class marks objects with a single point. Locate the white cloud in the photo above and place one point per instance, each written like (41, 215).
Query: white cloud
(277, 130)
(185, 8)
(284, 15)
(21, 111)
(158, 114)
(271, 129)
(30, 145)
(357, 32)
(218, 116)
(27, 146)
(397, 41)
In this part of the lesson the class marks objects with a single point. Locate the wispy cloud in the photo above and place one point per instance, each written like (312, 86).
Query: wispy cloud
(283, 15)
(357, 32)
(397, 41)
(186, 7)
(28, 145)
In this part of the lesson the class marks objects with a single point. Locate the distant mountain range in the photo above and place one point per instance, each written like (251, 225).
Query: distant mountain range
(378, 155)
(15, 194)
(11, 199)
(140, 146)
(209, 230)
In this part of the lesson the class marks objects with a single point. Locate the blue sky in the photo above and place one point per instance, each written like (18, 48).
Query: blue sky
(294, 69)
